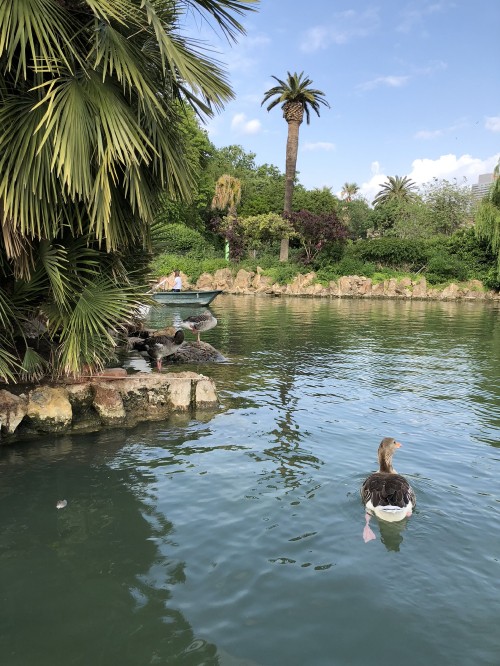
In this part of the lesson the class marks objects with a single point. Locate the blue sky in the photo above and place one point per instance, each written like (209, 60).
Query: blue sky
(413, 87)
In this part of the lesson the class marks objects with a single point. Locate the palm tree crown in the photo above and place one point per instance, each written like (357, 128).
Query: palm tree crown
(349, 190)
(295, 96)
(396, 188)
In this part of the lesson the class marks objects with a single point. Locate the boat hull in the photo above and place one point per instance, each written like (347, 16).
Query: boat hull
(186, 297)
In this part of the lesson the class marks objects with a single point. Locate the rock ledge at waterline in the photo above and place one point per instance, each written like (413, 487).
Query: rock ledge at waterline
(350, 286)
(112, 399)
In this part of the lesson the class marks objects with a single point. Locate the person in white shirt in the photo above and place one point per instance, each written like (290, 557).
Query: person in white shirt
(177, 282)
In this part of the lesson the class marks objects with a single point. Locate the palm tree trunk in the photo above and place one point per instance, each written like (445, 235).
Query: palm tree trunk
(292, 148)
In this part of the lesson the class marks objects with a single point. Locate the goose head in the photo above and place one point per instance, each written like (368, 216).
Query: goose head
(386, 450)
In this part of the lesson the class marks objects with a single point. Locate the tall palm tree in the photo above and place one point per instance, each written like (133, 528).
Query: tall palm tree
(296, 98)
(349, 190)
(396, 189)
(91, 105)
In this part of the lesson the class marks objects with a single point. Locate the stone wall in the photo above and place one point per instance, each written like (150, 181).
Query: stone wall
(114, 399)
(351, 286)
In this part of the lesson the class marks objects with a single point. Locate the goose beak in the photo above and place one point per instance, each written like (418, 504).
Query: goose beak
(398, 445)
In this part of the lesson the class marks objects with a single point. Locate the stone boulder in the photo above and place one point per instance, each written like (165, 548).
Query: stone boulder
(243, 281)
(12, 411)
(108, 404)
(420, 288)
(49, 409)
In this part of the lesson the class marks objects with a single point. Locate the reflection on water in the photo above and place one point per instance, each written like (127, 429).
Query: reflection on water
(237, 538)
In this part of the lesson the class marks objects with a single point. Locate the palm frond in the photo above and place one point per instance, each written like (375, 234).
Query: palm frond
(86, 332)
(36, 33)
(33, 366)
(9, 363)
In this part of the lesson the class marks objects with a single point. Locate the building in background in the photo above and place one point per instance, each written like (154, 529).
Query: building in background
(483, 185)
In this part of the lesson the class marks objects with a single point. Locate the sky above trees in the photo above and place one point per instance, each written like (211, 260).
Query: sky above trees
(411, 87)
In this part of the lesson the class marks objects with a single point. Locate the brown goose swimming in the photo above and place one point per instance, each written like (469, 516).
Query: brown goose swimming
(386, 494)
(199, 323)
(160, 346)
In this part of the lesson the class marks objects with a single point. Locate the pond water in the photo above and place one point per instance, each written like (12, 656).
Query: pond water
(235, 538)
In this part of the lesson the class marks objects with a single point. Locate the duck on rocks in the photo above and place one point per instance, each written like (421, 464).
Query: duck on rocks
(199, 323)
(160, 346)
(386, 494)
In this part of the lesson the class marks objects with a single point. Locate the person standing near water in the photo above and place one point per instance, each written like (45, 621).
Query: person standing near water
(177, 281)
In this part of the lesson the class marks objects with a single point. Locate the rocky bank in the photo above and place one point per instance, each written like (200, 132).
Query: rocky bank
(350, 286)
(111, 399)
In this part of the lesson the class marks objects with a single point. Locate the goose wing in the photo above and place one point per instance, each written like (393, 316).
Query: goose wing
(387, 490)
(159, 346)
(200, 322)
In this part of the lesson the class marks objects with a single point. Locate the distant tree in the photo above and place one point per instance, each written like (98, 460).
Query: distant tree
(318, 200)
(316, 231)
(226, 198)
(349, 190)
(296, 98)
(357, 217)
(262, 191)
(449, 204)
(398, 189)
(259, 231)
(387, 213)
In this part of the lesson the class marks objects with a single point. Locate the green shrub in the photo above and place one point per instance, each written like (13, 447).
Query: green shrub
(192, 266)
(177, 239)
(491, 279)
(444, 267)
(394, 252)
(283, 273)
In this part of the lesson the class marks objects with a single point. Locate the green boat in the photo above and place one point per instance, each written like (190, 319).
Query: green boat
(186, 297)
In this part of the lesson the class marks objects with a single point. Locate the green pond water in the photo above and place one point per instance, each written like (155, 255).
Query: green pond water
(234, 538)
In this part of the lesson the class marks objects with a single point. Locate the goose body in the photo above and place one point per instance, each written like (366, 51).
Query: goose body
(160, 346)
(199, 323)
(387, 494)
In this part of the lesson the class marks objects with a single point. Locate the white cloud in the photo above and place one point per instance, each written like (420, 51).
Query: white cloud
(414, 16)
(240, 124)
(428, 134)
(318, 145)
(387, 81)
(446, 167)
(493, 123)
(450, 166)
(375, 167)
(344, 27)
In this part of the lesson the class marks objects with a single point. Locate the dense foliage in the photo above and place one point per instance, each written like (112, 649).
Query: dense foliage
(93, 99)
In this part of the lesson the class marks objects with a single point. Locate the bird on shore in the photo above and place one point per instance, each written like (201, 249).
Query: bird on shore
(386, 494)
(160, 346)
(199, 323)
